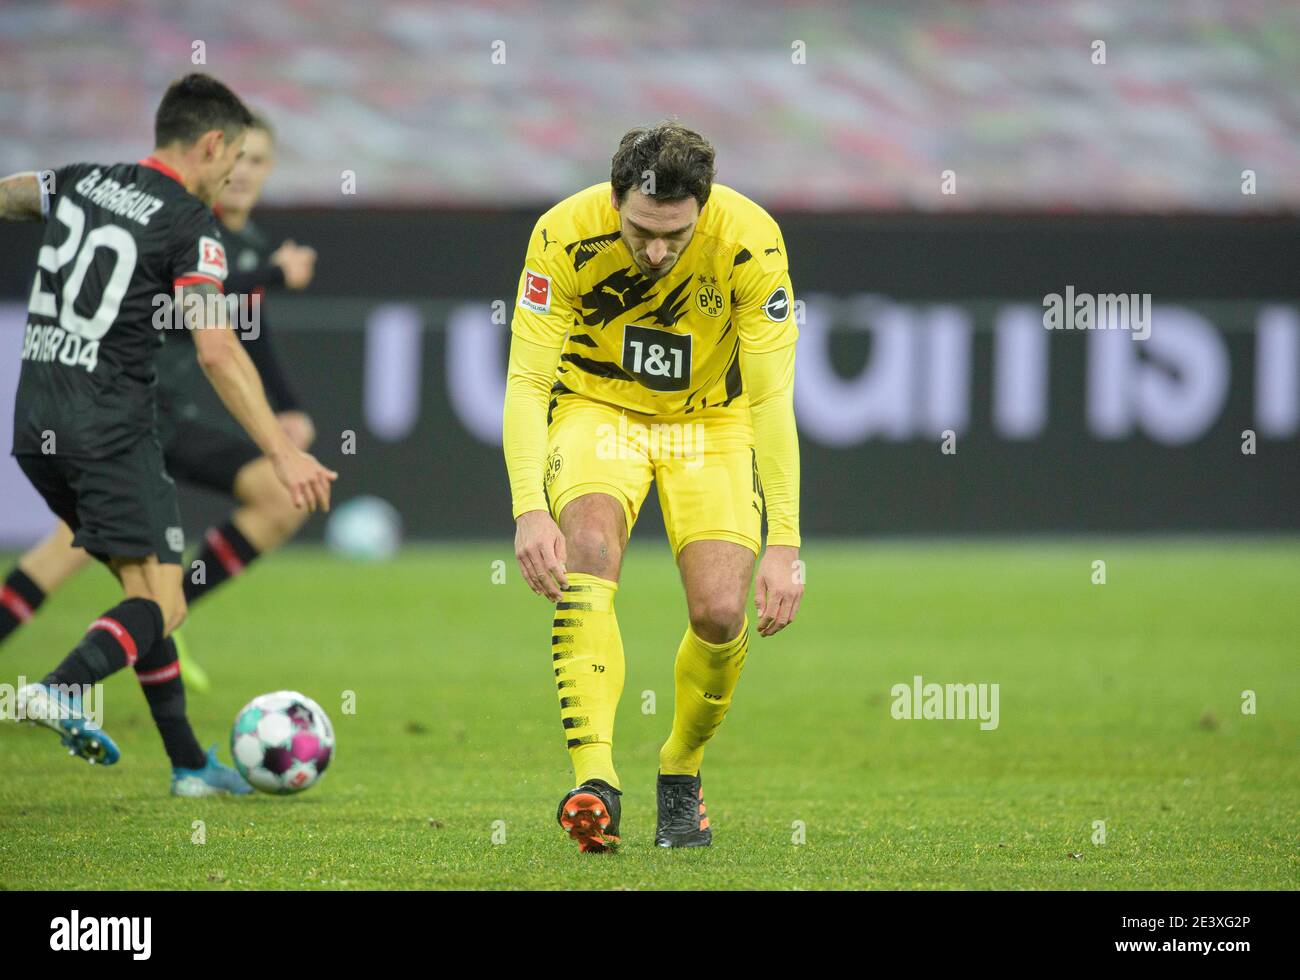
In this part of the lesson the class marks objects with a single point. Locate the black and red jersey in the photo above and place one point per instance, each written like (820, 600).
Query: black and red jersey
(118, 240)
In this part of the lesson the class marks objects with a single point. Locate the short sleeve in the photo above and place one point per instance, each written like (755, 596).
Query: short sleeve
(196, 252)
(544, 306)
(763, 307)
(54, 181)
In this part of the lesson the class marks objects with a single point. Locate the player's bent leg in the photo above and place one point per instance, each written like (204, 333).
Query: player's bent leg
(709, 662)
(159, 674)
(194, 772)
(265, 520)
(158, 669)
(593, 496)
(113, 641)
(39, 572)
(268, 517)
(121, 507)
(587, 657)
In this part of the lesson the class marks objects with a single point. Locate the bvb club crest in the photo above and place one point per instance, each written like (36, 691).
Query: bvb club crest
(708, 298)
(553, 464)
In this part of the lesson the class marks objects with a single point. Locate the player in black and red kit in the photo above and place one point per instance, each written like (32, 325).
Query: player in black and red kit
(201, 444)
(120, 241)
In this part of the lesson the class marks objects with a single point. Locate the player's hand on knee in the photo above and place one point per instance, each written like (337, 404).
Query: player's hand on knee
(778, 589)
(540, 551)
(307, 481)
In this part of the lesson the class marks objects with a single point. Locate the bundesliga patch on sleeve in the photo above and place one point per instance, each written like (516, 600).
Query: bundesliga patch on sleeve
(537, 292)
(212, 258)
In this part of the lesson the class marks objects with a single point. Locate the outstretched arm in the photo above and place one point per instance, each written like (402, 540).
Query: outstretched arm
(222, 356)
(20, 197)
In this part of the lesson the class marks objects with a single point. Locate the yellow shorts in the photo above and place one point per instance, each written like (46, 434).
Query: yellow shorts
(702, 463)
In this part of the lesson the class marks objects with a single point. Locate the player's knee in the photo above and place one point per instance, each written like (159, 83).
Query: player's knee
(256, 484)
(255, 481)
(285, 519)
(717, 618)
(174, 611)
(262, 492)
(593, 549)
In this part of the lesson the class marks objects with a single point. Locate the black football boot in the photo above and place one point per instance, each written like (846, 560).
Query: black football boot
(682, 820)
(590, 816)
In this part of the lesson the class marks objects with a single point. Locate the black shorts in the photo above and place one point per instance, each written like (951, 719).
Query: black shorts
(207, 455)
(121, 507)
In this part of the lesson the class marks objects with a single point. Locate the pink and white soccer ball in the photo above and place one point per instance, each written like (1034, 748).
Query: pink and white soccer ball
(282, 742)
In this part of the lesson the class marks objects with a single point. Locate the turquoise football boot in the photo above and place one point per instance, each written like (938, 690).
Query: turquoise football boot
(214, 779)
(60, 711)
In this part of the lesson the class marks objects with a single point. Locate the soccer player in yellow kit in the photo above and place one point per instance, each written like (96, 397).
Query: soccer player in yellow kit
(653, 340)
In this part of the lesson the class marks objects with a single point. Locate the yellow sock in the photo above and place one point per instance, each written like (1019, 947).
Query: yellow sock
(587, 651)
(706, 675)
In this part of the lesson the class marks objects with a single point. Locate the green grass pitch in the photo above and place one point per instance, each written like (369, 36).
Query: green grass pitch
(1119, 703)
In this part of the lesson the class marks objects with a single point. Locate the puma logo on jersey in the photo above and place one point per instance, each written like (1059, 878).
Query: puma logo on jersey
(546, 242)
(771, 251)
(615, 292)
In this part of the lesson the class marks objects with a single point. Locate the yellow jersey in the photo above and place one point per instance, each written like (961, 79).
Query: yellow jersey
(660, 347)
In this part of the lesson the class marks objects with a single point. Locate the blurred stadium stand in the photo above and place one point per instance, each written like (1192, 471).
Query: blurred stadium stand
(408, 96)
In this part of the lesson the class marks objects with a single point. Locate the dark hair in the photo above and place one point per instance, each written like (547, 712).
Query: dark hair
(197, 104)
(680, 159)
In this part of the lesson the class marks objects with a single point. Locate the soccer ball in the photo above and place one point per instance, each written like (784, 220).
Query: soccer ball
(366, 528)
(282, 742)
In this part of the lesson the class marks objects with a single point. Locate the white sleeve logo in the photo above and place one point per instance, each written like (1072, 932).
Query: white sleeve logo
(212, 258)
(777, 306)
